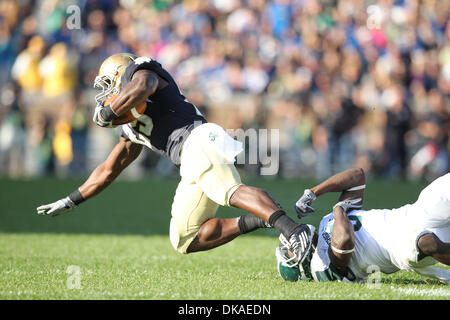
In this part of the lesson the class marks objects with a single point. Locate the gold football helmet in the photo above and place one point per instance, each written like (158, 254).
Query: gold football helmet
(110, 74)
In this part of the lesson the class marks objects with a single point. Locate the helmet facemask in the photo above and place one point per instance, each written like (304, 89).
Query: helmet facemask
(287, 265)
(105, 84)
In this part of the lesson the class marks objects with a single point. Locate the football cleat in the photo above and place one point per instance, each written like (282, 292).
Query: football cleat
(288, 266)
(305, 266)
(300, 241)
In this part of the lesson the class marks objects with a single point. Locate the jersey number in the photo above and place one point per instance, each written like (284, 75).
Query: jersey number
(143, 125)
(354, 220)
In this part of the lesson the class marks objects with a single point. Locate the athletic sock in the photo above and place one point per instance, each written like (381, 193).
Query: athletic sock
(285, 225)
(249, 223)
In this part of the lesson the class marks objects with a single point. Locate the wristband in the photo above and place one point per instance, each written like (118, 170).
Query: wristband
(76, 197)
(342, 251)
(108, 114)
(357, 188)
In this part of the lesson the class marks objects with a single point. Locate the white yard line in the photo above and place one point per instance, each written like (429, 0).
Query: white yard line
(438, 292)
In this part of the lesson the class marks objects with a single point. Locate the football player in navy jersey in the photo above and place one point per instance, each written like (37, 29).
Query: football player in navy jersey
(204, 153)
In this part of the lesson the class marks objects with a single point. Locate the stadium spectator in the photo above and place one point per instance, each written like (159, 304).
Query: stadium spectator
(347, 82)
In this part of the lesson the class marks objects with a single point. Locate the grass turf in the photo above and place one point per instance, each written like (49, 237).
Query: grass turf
(119, 243)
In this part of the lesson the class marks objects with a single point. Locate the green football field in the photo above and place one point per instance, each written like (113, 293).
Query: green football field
(116, 246)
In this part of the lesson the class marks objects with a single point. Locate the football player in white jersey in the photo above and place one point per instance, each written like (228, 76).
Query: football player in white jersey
(352, 243)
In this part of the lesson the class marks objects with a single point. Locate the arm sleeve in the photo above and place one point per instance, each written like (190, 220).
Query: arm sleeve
(441, 274)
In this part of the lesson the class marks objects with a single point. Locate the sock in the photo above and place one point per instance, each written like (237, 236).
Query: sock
(249, 223)
(285, 225)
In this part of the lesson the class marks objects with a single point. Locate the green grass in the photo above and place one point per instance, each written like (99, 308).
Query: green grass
(119, 241)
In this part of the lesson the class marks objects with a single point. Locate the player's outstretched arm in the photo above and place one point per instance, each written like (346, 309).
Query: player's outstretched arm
(350, 182)
(342, 181)
(124, 153)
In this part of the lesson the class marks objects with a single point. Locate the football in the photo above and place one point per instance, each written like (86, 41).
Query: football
(128, 116)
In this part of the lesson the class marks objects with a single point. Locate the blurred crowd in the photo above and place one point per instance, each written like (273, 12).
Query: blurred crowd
(347, 82)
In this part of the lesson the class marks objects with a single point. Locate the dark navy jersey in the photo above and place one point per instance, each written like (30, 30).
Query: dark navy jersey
(169, 117)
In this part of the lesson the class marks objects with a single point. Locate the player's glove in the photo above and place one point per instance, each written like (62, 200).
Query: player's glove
(348, 205)
(98, 119)
(303, 205)
(54, 209)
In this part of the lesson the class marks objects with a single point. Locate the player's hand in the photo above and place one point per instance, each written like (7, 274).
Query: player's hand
(99, 120)
(348, 205)
(303, 205)
(54, 209)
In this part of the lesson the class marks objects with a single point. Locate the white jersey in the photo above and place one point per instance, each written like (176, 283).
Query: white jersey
(386, 240)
